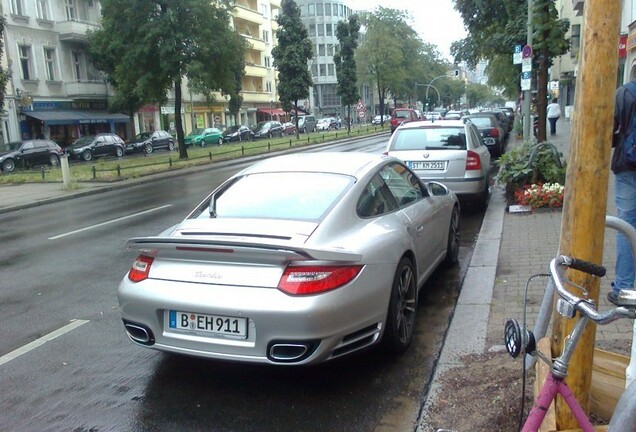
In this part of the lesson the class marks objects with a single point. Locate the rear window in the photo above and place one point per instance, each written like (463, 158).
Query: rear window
(401, 114)
(444, 138)
(482, 122)
(293, 196)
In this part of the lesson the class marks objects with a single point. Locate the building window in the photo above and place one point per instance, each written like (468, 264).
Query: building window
(312, 31)
(264, 9)
(330, 50)
(268, 86)
(575, 40)
(319, 9)
(321, 50)
(49, 62)
(341, 9)
(268, 62)
(321, 29)
(328, 9)
(71, 13)
(312, 10)
(323, 70)
(329, 30)
(335, 9)
(266, 35)
(17, 7)
(314, 70)
(25, 62)
(77, 65)
(43, 10)
(331, 71)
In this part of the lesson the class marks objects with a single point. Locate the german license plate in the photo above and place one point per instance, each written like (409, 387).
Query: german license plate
(428, 165)
(209, 325)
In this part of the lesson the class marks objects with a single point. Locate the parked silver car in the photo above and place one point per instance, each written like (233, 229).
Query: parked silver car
(451, 152)
(263, 271)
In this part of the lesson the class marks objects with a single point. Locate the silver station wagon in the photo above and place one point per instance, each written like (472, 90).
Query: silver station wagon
(448, 151)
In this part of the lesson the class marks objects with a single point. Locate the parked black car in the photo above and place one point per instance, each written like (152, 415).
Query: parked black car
(268, 129)
(148, 142)
(90, 146)
(237, 133)
(29, 153)
(492, 131)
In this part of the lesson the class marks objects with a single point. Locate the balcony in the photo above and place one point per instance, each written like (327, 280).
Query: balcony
(252, 70)
(74, 31)
(577, 5)
(275, 3)
(86, 89)
(256, 44)
(249, 15)
(256, 97)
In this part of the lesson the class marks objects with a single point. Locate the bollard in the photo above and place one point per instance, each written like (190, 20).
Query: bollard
(269, 146)
(42, 170)
(94, 173)
(170, 162)
(290, 142)
(118, 170)
(66, 174)
(242, 151)
(210, 154)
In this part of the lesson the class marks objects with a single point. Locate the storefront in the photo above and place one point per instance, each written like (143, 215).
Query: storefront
(65, 122)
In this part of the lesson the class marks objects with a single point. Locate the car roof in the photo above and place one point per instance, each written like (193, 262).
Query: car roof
(354, 164)
(430, 124)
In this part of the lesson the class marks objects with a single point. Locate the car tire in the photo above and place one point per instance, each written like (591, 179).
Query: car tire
(8, 165)
(87, 155)
(452, 246)
(203, 144)
(119, 152)
(54, 160)
(170, 145)
(148, 148)
(400, 320)
(269, 135)
(220, 142)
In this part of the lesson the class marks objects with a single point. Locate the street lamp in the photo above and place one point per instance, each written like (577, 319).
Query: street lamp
(439, 99)
(433, 80)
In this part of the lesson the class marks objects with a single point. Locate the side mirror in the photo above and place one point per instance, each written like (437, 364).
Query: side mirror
(436, 189)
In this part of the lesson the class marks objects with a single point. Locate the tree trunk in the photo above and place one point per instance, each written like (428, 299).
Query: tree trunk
(296, 119)
(183, 151)
(349, 118)
(542, 95)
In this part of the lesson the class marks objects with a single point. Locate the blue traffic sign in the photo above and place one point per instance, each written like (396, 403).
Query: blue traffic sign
(518, 49)
(526, 75)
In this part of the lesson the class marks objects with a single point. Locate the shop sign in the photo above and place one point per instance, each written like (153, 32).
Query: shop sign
(622, 46)
(170, 110)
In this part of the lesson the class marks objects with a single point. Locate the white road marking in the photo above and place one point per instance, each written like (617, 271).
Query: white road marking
(110, 222)
(41, 341)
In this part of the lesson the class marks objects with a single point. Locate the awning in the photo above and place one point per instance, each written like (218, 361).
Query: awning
(273, 111)
(77, 117)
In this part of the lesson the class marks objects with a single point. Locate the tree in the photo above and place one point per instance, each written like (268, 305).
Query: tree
(347, 34)
(4, 73)
(291, 55)
(148, 50)
(478, 94)
(496, 26)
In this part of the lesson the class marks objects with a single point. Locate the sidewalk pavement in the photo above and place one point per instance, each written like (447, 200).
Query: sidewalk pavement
(510, 248)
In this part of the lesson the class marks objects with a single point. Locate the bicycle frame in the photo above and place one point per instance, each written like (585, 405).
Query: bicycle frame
(551, 387)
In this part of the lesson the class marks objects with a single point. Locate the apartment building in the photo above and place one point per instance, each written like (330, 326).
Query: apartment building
(54, 91)
(321, 17)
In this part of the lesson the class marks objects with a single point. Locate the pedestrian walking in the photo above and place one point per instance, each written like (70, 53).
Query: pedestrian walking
(554, 112)
(625, 186)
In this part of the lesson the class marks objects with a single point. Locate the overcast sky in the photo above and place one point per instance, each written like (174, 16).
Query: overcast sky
(436, 21)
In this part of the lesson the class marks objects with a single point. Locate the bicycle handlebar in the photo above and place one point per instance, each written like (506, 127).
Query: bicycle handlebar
(557, 268)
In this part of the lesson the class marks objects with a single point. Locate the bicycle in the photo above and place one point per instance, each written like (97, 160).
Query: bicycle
(518, 339)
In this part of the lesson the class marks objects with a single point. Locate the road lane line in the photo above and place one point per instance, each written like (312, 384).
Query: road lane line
(41, 341)
(110, 222)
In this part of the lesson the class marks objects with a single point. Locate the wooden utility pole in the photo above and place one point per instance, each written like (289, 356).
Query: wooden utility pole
(585, 204)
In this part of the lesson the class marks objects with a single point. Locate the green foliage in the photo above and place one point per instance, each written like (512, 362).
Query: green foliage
(291, 55)
(530, 163)
(478, 94)
(4, 73)
(347, 34)
(146, 51)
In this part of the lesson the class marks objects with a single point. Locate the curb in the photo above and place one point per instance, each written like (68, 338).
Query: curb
(468, 327)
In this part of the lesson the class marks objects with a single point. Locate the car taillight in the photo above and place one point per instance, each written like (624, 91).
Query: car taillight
(140, 268)
(494, 132)
(305, 280)
(472, 161)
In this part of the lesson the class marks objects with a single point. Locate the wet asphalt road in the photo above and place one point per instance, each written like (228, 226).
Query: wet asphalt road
(90, 377)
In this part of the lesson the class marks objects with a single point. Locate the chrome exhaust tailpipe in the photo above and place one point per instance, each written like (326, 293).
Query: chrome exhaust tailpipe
(139, 333)
(287, 352)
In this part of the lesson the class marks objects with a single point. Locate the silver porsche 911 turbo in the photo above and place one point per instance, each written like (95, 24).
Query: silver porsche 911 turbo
(296, 260)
